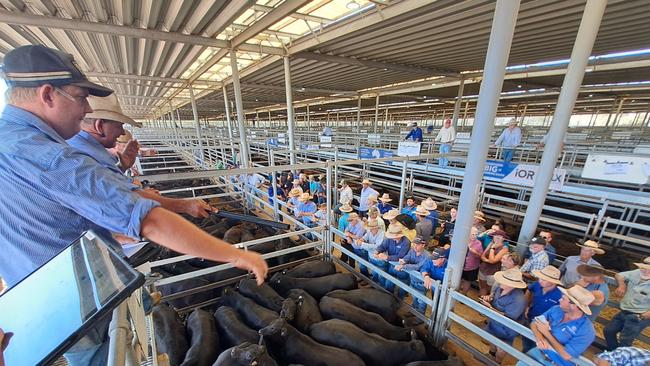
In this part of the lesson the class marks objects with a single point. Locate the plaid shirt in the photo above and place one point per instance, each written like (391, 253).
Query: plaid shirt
(626, 356)
(536, 262)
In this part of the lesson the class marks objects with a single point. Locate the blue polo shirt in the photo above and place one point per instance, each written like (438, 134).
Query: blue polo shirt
(395, 249)
(409, 210)
(52, 193)
(384, 207)
(415, 134)
(357, 230)
(414, 261)
(513, 305)
(343, 221)
(576, 335)
(596, 309)
(435, 272)
(541, 301)
(306, 207)
(433, 217)
(363, 197)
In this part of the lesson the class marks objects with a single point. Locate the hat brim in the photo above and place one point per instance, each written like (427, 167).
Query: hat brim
(643, 265)
(498, 277)
(585, 308)
(421, 213)
(386, 199)
(596, 250)
(544, 277)
(387, 216)
(480, 218)
(346, 211)
(93, 89)
(394, 236)
(111, 116)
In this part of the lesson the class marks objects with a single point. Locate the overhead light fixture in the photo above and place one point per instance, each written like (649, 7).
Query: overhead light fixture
(353, 5)
(519, 86)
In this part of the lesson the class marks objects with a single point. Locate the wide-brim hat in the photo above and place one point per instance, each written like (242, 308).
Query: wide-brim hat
(419, 210)
(305, 197)
(385, 198)
(587, 270)
(579, 296)
(394, 231)
(371, 224)
(593, 245)
(353, 216)
(366, 181)
(645, 264)
(109, 108)
(510, 277)
(550, 274)
(372, 198)
(342, 182)
(295, 192)
(346, 208)
(479, 215)
(429, 204)
(390, 215)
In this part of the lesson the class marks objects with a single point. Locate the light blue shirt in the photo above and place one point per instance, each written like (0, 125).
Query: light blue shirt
(575, 335)
(414, 261)
(357, 230)
(306, 207)
(52, 193)
(569, 269)
(363, 197)
(509, 139)
(370, 241)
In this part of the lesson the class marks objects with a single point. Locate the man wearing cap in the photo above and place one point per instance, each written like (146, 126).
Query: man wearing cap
(509, 139)
(412, 261)
(563, 332)
(424, 226)
(593, 279)
(433, 269)
(569, 267)
(372, 239)
(542, 295)
(509, 300)
(366, 191)
(383, 204)
(99, 132)
(446, 137)
(394, 247)
(353, 231)
(306, 209)
(52, 193)
(410, 207)
(548, 248)
(634, 316)
(537, 261)
(415, 134)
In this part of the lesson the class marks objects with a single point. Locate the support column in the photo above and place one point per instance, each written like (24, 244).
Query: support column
(582, 47)
(465, 112)
(195, 113)
(173, 120)
(290, 122)
(618, 113)
(459, 100)
(359, 114)
(308, 120)
(243, 145)
(227, 105)
(503, 27)
(374, 127)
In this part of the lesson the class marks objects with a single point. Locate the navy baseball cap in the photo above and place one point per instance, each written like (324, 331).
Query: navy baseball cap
(439, 253)
(35, 65)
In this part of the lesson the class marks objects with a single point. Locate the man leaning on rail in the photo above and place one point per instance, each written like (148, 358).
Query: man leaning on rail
(52, 192)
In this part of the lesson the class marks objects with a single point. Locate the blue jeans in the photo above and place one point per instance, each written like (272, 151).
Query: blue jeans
(507, 155)
(403, 276)
(444, 149)
(381, 264)
(628, 324)
(538, 356)
(363, 254)
(417, 304)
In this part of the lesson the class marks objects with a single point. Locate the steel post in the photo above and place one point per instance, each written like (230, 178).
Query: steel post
(402, 187)
(195, 113)
(503, 27)
(359, 114)
(374, 127)
(459, 101)
(227, 105)
(582, 47)
(243, 145)
(308, 121)
(290, 121)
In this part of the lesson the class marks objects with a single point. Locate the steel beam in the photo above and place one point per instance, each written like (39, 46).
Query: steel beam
(374, 126)
(459, 100)
(243, 145)
(290, 117)
(503, 27)
(225, 103)
(195, 113)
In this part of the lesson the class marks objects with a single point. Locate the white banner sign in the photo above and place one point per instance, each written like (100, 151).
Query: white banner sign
(617, 168)
(521, 174)
(408, 148)
(325, 138)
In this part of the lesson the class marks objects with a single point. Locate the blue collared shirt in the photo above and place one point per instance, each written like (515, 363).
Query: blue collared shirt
(384, 207)
(512, 305)
(569, 269)
(409, 210)
(414, 261)
(415, 134)
(343, 221)
(433, 217)
(626, 356)
(370, 241)
(435, 272)
(52, 193)
(509, 138)
(395, 249)
(306, 207)
(575, 335)
(357, 230)
(363, 197)
(541, 301)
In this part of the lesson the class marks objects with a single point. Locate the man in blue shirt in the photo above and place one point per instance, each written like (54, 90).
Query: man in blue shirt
(563, 332)
(410, 207)
(353, 231)
(372, 239)
(509, 139)
(542, 295)
(415, 134)
(394, 247)
(412, 261)
(383, 204)
(306, 209)
(52, 193)
(432, 269)
(366, 192)
(430, 205)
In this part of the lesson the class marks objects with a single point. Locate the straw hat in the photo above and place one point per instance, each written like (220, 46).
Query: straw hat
(366, 181)
(385, 198)
(511, 277)
(479, 215)
(305, 197)
(593, 245)
(371, 224)
(295, 192)
(550, 274)
(372, 198)
(353, 216)
(421, 211)
(342, 183)
(390, 215)
(125, 138)
(580, 296)
(394, 231)
(346, 208)
(429, 204)
(586, 270)
(109, 108)
(645, 264)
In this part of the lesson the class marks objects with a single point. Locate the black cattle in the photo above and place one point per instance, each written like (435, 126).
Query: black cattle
(333, 308)
(232, 329)
(317, 287)
(289, 309)
(296, 347)
(263, 295)
(256, 316)
(312, 269)
(204, 339)
(369, 299)
(307, 312)
(245, 354)
(373, 349)
(170, 334)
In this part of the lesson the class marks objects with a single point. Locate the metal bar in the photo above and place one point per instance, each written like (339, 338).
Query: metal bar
(290, 121)
(402, 186)
(117, 331)
(591, 18)
(227, 106)
(503, 27)
(243, 145)
(195, 113)
(374, 126)
(252, 219)
(459, 100)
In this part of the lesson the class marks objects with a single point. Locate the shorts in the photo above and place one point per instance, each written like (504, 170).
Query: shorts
(470, 275)
(487, 278)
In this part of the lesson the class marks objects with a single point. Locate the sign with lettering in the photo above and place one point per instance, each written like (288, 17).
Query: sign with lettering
(408, 148)
(620, 168)
(370, 153)
(520, 174)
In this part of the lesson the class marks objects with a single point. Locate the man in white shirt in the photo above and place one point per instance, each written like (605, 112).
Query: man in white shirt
(509, 139)
(446, 136)
(345, 193)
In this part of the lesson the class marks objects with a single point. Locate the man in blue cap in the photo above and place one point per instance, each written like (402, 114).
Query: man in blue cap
(52, 193)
